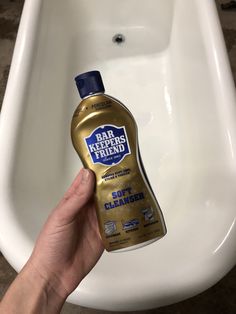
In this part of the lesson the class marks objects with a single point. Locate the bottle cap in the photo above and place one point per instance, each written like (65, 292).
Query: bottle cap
(89, 83)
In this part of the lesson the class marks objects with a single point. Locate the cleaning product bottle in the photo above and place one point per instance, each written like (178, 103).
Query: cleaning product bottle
(104, 134)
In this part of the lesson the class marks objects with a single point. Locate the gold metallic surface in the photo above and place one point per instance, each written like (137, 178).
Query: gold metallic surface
(125, 180)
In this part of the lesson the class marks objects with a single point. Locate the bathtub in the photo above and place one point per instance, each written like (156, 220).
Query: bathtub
(172, 72)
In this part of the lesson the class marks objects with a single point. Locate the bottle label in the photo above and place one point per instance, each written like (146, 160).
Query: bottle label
(108, 145)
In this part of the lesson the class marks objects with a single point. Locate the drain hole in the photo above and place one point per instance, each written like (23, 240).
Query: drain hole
(118, 39)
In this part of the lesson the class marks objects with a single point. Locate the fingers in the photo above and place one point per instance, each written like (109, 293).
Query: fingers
(77, 195)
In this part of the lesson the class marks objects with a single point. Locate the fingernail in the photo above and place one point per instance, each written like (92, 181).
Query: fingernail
(85, 175)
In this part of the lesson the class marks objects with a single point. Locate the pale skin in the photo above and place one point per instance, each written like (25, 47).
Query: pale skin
(67, 248)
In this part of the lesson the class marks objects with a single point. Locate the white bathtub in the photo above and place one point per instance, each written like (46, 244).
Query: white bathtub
(172, 72)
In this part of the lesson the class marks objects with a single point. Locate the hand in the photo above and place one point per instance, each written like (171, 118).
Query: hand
(67, 248)
(69, 244)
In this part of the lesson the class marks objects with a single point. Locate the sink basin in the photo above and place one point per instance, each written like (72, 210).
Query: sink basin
(171, 70)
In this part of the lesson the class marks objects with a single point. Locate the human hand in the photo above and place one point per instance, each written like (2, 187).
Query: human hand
(69, 244)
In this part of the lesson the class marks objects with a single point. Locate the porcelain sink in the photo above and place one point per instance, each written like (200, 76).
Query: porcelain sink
(172, 72)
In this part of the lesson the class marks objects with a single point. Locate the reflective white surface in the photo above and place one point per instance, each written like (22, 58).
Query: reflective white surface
(172, 72)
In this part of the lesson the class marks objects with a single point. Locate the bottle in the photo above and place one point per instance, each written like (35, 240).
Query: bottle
(104, 134)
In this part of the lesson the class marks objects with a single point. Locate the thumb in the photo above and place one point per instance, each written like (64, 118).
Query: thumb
(77, 195)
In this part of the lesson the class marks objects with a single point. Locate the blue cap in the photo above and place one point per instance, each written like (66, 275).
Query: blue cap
(89, 83)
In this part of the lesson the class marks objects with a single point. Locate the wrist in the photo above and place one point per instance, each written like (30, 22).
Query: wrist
(42, 290)
(45, 281)
(31, 293)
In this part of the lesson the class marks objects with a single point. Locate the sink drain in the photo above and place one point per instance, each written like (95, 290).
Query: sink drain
(118, 39)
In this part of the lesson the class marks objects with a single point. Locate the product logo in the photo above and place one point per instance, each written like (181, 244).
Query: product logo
(148, 214)
(110, 227)
(108, 145)
(130, 224)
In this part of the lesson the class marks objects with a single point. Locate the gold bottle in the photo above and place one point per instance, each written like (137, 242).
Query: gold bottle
(104, 134)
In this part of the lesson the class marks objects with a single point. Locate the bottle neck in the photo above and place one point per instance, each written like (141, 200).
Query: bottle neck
(95, 94)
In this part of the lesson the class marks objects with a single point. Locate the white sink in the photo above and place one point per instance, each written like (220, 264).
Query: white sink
(172, 72)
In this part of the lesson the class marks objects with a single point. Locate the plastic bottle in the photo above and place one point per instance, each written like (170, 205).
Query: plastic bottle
(104, 134)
